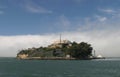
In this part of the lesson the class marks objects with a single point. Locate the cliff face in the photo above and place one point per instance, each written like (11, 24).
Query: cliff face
(59, 50)
(22, 56)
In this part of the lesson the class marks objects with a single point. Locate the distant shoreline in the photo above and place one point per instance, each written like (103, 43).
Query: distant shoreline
(57, 58)
(47, 58)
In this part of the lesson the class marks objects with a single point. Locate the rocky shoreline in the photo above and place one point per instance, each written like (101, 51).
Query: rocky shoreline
(57, 58)
(47, 58)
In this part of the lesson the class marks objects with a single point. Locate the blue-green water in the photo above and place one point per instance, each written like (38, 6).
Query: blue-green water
(11, 67)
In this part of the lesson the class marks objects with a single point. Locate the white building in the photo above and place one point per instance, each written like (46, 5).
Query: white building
(60, 43)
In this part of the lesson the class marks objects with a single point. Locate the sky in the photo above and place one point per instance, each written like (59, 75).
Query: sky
(34, 23)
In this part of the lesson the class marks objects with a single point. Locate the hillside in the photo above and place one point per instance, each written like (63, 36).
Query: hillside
(58, 50)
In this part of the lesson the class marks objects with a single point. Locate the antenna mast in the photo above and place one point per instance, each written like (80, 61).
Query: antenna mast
(60, 38)
(94, 53)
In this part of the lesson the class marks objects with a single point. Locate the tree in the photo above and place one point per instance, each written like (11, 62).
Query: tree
(76, 50)
(80, 51)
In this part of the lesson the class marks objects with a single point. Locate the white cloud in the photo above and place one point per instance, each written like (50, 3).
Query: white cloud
(104, 36)
(1, 12)
(111, 12)
(100, 18)
(32, 7)
(105, 42)
(108, 10)
(10, 45)
(62, 23)
(103, 19)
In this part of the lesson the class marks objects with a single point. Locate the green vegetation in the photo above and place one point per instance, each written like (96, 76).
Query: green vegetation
(81, 50)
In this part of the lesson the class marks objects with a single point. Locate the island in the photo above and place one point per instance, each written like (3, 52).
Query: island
(59, 50)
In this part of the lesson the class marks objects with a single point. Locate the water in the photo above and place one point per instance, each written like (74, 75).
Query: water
(11, 67)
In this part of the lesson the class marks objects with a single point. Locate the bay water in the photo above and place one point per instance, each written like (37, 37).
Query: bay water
(11, 67)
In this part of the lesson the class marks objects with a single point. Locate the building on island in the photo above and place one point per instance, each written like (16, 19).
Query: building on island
(60, 44)
(59, 50)
(22, 56)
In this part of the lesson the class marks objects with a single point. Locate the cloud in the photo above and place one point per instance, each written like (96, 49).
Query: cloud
(103, 33)
(100, 18)
(34, 8)
(108, 10)
(1, 12)
(62, 23)
(31, 6)
(10, 45)
(105, 42)
(104, 36)
(1, 9)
